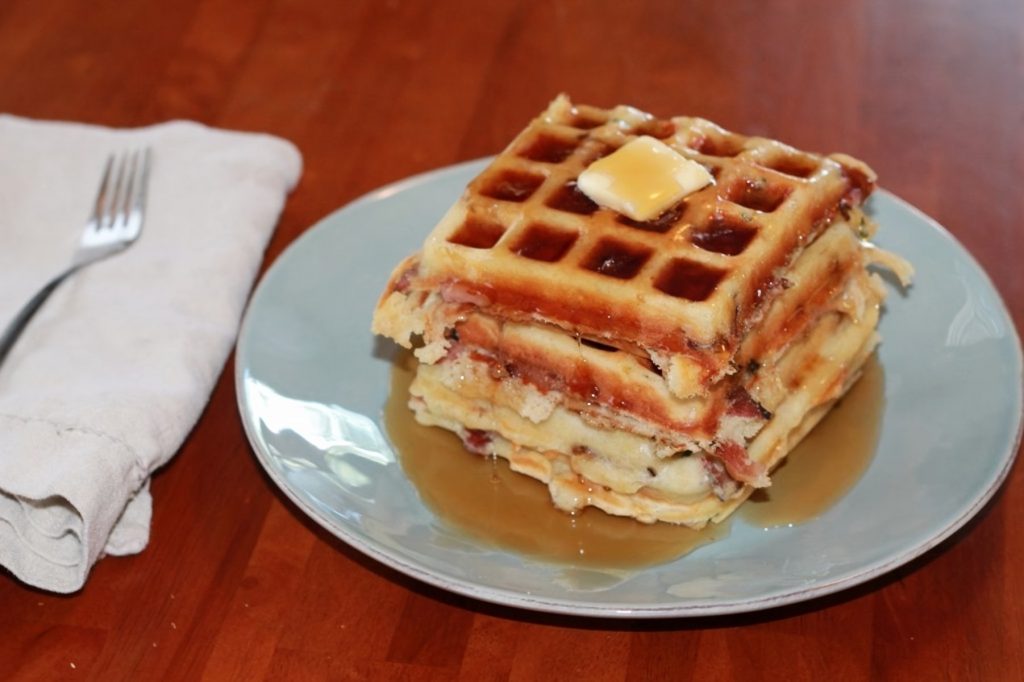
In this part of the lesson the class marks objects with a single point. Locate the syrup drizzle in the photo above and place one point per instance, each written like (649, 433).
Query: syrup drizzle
(483, 498)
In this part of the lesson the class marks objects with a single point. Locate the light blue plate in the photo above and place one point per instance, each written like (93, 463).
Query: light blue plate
(312, 382)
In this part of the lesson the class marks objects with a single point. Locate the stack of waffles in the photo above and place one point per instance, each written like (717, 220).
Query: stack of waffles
(657, 369)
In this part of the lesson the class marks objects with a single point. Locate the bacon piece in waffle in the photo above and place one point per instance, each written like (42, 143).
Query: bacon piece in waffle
(696, 346)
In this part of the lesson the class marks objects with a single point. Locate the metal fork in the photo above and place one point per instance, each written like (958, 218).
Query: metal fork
(115, 224)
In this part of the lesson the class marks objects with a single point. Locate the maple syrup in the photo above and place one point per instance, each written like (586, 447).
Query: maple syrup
(477, 234)
(485, 499)
(549, 149)
(545, 243)
(828, 462)
(689, 279)
(725, 235)
(512, 185)
(757, 194)
(617, 259)
(570, 199)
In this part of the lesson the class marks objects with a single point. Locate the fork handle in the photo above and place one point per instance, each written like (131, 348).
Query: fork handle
(28, 311)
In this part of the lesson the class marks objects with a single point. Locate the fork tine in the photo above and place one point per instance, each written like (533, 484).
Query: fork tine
(124, 199)
(120, 203)
(102, 192)
(138, 199)
(116, 211)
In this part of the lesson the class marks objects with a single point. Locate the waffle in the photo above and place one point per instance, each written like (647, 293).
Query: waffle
(529, 243)
(603, 456)
(591, 349)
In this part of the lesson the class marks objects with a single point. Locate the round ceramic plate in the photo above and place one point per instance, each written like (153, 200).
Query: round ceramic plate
(312, 382)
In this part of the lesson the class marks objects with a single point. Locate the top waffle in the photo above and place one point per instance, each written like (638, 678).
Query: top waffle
(524, 243)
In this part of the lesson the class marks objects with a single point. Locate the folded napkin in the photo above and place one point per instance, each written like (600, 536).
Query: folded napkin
(116, 368)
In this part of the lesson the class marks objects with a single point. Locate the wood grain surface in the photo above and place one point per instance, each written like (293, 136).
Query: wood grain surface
(237, 584)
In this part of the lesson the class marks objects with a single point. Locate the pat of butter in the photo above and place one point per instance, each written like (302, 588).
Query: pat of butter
(642, 178)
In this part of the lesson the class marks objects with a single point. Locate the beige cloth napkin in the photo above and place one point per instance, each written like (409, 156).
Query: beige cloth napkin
(113, 372)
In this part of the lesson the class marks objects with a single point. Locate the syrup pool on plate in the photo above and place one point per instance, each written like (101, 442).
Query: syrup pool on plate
(828, 462)
(485, 499)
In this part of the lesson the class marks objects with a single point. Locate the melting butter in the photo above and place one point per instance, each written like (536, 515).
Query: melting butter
(642, 178)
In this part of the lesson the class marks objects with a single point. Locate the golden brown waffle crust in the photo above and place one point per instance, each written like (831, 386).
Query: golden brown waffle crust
(523, 243)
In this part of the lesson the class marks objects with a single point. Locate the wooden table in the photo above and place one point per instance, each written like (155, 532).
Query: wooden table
(237, 583)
